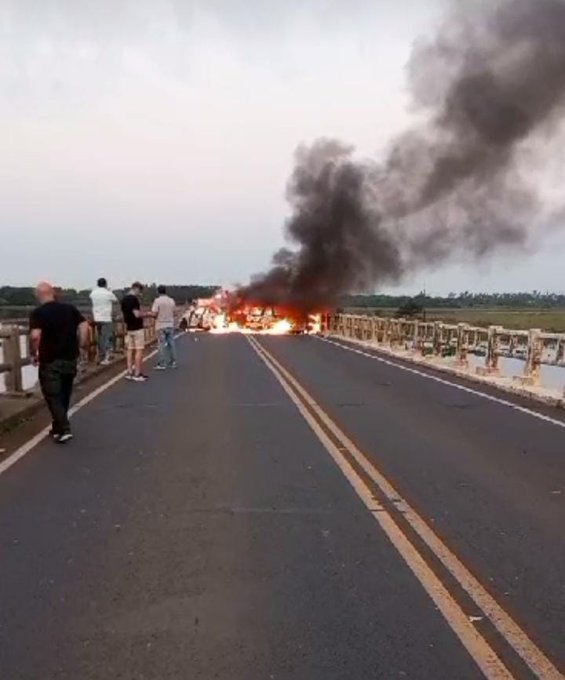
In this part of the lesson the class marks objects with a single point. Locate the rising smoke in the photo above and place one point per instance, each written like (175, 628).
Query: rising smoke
(451, 187)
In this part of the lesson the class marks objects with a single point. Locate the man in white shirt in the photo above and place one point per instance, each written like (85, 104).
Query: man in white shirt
(164, 312)
(102, 306)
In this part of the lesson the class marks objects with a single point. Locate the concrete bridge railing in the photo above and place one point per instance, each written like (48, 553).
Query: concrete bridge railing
(534, 346)
(15, 356)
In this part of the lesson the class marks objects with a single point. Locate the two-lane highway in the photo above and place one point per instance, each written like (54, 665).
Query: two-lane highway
(286, 508)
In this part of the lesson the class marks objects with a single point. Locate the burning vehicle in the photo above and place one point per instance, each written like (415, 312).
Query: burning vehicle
(202, 315)
(231, 313)
(260, 319)
(272, 320)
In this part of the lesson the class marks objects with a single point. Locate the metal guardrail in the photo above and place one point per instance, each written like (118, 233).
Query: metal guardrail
(436, 338)
(15, 358)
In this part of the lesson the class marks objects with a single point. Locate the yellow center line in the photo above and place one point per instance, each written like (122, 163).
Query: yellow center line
(483, 654)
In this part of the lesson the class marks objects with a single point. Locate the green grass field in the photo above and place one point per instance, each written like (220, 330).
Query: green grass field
(550, 320)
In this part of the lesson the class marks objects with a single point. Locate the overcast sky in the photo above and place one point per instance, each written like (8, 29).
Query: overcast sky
(152, 139)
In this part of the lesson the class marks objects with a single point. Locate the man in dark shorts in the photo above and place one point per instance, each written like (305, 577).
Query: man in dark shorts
(57, 330)
(135, 333)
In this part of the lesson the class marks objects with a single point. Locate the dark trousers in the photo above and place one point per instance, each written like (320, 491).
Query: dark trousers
(56, 379)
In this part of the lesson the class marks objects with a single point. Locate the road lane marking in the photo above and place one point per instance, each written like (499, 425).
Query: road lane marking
(444, 381)
(481, 651)
(24, 449)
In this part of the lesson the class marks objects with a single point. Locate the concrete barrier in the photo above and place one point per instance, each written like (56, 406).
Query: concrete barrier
(449, 347)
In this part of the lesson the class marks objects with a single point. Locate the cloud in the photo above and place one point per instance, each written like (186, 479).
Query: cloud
(139, 118)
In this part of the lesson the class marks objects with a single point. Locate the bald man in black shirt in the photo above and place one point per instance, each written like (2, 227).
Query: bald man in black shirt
(57, 331)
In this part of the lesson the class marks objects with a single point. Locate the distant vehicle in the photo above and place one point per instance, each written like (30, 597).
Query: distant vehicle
(200, 319)
(202, 316)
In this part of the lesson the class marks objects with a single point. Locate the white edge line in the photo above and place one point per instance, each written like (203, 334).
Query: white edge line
(24, 449)
(443, 381)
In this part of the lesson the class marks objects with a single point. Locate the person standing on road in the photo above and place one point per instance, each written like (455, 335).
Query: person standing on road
(164, 312)
(57, 333)
(102, 304)
(135, 334)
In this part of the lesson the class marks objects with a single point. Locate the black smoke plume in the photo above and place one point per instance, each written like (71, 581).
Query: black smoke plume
(451, 187)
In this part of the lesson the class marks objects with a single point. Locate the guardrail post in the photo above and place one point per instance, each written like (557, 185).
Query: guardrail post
(13, 357)
(511, 344)
(533, 361)
(492, 350)
(560, 351)
(387, 331)
(118, 340)
(92, 352)
(339, 328)
(472, 341)
(437, 338)
(150, 333)
(393, 332)
(405, 333)
(462, 345)
(400, 338)
(378, 330)
(491, 359)
(416, 346)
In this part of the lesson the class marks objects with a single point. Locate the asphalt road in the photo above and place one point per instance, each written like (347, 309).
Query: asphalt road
(198, 527)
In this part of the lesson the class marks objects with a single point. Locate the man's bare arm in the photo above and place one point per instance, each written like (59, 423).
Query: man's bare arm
(140, 314)
(34, 341)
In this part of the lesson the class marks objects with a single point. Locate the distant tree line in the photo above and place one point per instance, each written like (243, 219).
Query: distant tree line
(15, 296)
(464, 300)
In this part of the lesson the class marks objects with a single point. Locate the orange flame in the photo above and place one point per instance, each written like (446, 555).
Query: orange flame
(265, 321)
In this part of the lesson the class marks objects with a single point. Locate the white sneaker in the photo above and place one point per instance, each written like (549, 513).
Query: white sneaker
(129, 376)
(139, 378)
(160, 368)
(63, 438)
